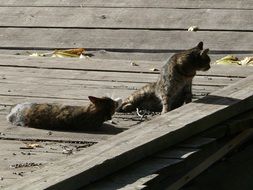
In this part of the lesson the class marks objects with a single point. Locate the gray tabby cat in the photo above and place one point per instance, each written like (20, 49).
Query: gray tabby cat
(173, 87)
(64, 117)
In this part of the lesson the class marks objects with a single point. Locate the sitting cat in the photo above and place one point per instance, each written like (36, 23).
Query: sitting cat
(64, 117)
(173, 87)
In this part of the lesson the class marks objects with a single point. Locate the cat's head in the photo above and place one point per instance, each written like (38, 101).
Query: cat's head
(200, 59)
(106, 105)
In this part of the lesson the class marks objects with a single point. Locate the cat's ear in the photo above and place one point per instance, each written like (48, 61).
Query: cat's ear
(94, 99)
(204, 52)
(200, 45)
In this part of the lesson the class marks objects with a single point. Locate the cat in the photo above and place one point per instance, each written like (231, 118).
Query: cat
(64, 117)
(174, 85)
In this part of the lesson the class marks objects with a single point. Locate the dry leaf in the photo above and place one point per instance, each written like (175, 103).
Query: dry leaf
(247, 61)
(68, 53)
(228, 60)
(154, 69)
(193, 29)
(134, 64)
(67, 151)
(31, 146)
(37, 55)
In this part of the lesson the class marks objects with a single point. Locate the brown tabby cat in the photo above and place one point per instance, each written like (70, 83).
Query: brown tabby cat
(173, 87)
(64, 117)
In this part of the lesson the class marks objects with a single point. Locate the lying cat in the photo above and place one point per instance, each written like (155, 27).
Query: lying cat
(173, 87)
(64, 117)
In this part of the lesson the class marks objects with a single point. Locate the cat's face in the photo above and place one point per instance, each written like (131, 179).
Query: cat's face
(107, 105)
(201, 60)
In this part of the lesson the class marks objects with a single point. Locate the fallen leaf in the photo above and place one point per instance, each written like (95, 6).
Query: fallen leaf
(68, 53)
(67, 151)
(31, 146)
(228, 60)
(134, 64)
(193, 29)
(36, 55)
(34, 145)
(247, 61)
(154, 69)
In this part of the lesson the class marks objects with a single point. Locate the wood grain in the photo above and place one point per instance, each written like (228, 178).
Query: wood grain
(146, 139)
(123, 40)
(84, 66)
(126, 18)
(226, 4)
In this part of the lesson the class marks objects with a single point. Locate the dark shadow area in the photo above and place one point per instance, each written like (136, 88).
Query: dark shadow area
(233, 172)
(104, 129)
(129, 175)
(217, 100)
(108, 129)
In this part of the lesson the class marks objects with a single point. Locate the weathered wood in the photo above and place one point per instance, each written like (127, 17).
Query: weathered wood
(146, 139)
(211, 160)
(108, 65)
(131, 56)
(231, 127)
(197, 142)
(216, 132)
(84, 90)
(192, 151)
(7, 100)
(126, 18)
(226, 4)
(48, 152)
(120, 122)
(40, 76)
(133, 40)
(190, 157)
(135, 175)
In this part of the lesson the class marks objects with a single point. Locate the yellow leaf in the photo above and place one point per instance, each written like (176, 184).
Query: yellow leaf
(228, 60)
(68, 53)
(247, 61)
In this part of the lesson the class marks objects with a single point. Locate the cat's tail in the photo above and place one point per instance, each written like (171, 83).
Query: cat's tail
(134, 100)
(16, 115)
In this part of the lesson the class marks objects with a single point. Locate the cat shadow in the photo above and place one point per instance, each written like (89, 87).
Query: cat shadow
(217, 100)
(107, 128)
(104, 129)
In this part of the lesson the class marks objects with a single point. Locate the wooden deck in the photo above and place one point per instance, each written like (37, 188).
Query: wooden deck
(114, 34)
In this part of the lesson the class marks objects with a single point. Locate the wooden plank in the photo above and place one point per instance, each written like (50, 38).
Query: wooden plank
(119, 123)
(226, 4)
(131, 56)
(135, 175)
(109, 65)
(13, 100)
(198, 142)
(41, 76)
(12, 154)
(126, 18)
(133, 40)
(211, 160)
(143, 140)
(190, 157)
(79, 91)
(231, 127)
(192, 151)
